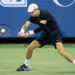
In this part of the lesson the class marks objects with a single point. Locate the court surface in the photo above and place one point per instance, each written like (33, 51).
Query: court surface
(45, 61)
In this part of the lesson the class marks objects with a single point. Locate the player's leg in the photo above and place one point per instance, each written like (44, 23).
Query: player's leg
(60, 49)
(34, 44)
(38, 42)
(31, 47)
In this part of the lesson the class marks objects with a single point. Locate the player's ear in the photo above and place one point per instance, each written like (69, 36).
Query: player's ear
(43, 21)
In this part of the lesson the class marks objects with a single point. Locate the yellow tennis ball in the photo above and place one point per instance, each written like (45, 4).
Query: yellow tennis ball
(2, 30)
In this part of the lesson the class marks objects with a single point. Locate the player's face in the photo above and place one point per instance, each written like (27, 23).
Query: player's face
(34, 13)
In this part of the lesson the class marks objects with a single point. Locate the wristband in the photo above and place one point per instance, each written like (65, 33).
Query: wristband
(22, 30)
(31, 32)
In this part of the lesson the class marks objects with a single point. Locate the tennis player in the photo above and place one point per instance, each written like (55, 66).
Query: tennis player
(51, 33)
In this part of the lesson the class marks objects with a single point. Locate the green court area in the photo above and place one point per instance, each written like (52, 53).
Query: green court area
(45, 61)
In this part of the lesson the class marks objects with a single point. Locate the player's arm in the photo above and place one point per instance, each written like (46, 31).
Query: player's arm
(31, 32)
(24, 27)
(43, 22)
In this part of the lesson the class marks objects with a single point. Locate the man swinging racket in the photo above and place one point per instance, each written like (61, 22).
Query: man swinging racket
(51, 33)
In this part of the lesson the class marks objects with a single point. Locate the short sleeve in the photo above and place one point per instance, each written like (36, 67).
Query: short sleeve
(31, 19)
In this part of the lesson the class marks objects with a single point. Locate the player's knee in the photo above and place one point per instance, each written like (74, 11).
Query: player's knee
(59, 47)
(33, 45)
(30, 48)
(60, 52)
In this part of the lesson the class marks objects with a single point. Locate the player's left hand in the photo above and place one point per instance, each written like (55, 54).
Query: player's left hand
(25, 35)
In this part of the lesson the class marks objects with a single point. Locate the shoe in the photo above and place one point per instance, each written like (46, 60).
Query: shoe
(24, 68)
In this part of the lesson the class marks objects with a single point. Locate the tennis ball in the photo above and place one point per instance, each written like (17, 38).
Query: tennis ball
(3, 30)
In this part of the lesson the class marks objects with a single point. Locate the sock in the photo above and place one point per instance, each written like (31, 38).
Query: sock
(27, 62)
(73, 62)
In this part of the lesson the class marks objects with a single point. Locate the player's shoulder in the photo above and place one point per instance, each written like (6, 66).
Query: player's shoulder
(45, 11)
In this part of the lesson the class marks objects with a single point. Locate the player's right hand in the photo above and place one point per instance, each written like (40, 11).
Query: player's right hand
(20, 34)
